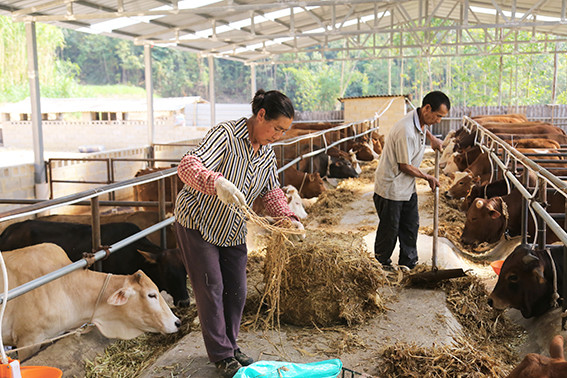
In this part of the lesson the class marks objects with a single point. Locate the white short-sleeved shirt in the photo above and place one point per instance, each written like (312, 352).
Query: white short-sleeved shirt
(405, 144)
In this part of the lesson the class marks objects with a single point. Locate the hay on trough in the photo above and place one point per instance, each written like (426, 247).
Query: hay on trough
(327, 279)
(462, 359)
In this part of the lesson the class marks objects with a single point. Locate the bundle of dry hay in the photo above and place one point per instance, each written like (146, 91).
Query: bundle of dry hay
(327, 279)
(462, 359)
(129, 358)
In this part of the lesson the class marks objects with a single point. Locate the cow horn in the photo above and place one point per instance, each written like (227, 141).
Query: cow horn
(478, 204)
(529, 258)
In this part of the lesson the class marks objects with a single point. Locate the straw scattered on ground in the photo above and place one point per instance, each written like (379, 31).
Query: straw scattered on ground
(464, 358)
(327, 279)
(129, 358)
(487, 330)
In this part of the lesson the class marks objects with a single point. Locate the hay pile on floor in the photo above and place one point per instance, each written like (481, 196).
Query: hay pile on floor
(462, 359)
(327, 209)
(129, 358)
(486, 329)
(327, 279)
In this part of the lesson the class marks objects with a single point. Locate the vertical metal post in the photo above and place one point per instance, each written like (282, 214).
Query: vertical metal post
(40, 181)
(95, 230)
(541, 226)
(253, 79)
(149, 100)
(435, 216)
(525, 208)
(161, 210)
(212, 88)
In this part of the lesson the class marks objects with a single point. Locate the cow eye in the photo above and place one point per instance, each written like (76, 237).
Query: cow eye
(513, 278)
(152, 295)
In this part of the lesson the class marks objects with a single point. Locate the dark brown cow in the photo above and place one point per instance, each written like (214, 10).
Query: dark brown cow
(538, 366)
(309, 184)
(142, 219)
(523, 130)
(526, 281)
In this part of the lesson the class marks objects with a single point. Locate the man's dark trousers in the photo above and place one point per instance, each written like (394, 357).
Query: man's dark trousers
(398, 220)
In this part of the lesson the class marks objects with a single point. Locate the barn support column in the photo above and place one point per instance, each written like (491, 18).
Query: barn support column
(253, 80)
(40, 180)
(554, 85)
(150, 101)
(212, 88)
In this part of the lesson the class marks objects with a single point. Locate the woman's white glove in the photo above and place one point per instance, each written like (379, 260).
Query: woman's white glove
(297, 225)
(228, 193)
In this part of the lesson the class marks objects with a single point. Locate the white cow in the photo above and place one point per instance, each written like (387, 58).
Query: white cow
(129, 305)
(294, 201)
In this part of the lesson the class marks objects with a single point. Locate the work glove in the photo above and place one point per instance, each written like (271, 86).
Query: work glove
(228, 193)
(297, 237)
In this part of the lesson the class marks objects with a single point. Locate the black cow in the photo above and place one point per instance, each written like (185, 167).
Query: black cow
(526, 281)
(164, 267)
(330, 166)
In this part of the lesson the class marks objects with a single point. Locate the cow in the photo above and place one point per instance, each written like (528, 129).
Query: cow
(542, 129)
(561, 139)
(294, 201)
(459, 161)
(503, 118)
(537, 366)
(489, 219)
(149, 190)
(120, 306)
(463, 183)
(310, 184)
(534, 143)
(528, 279)
(364, 151)
(164, 267)
(142, 219)
(493, 189)
(329, 166)
(350, 156)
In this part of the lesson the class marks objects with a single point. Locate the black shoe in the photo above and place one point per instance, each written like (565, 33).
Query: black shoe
(242, 358)
(228, 367)
(388, 268)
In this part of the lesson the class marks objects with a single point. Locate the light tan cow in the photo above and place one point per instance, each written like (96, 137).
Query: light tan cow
(129, 306)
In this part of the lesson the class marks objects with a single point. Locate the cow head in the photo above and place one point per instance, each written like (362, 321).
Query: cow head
(135, 307)
(524, 283)
(461, 185)
(313, 185)
(294, 201)
(172, 275)
(341, 168)
(485, 221)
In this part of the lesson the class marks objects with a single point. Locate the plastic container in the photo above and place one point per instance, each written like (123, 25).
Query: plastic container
(31, 371)
(496, 266)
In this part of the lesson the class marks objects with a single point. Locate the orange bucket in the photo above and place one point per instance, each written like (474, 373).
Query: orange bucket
(496, 266)
(31, 371)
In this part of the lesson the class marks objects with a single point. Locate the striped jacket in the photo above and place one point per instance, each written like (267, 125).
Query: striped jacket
(226, 150)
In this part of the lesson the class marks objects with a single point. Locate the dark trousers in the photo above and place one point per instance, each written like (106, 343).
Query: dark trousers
(398, 220)
(218, 278)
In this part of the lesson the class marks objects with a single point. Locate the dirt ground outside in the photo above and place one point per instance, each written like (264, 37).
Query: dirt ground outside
(419, 317)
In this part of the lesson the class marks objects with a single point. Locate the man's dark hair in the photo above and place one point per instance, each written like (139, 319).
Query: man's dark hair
(435, 99)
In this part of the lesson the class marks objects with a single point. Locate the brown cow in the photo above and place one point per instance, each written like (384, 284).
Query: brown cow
(522, 130)
(309, 184)
(534, 143)
(538, 366)
(527, 280)
(149, 191)
(561, 139)
(504, 118)
(463, 183)
(488, 219)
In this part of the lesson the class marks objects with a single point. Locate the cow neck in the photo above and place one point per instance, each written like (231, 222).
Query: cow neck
(506, 215)
(302, 181)
(100, 295)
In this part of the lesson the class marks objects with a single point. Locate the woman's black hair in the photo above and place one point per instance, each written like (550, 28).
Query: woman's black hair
(275, 103)
(436, 99)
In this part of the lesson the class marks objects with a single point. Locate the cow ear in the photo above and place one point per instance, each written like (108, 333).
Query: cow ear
(150, 257)
(452, 175)
(120, 296)
(476, 179)
(494, 214)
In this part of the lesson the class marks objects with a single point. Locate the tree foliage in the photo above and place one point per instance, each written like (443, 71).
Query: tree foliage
(314, 80)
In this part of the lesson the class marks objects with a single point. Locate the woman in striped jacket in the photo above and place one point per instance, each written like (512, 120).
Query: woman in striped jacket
(233, 165)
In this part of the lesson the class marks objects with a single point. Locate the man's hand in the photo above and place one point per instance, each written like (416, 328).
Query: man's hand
(228, 193)
(433, 182)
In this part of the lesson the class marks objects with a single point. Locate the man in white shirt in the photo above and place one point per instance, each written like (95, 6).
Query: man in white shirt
(395, 194)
